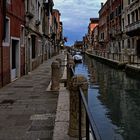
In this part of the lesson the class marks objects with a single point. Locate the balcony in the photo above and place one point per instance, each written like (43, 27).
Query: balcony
(133, 29)
(101, 41)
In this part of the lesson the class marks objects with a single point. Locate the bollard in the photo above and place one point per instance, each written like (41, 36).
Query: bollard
(70, 64)
(76, 82)
(60, 63)
(55, 76)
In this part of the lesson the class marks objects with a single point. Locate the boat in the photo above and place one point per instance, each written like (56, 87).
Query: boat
(78, 58)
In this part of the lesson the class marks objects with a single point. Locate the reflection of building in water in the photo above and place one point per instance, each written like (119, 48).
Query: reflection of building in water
(93, 75)
(120, 95)
(130, 106)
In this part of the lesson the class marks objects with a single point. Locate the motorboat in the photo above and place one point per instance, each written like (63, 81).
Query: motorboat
(78, 58)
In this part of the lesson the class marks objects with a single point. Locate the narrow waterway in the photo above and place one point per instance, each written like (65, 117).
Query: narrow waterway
(114, 100)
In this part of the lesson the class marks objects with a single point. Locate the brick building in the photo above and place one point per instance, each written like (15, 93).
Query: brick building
(78, 45)
(12, 40)
(93, 23)
(115, 31)
(56, 29)
(95, 39)
(26, 36)
(104, 26)
(1, 38)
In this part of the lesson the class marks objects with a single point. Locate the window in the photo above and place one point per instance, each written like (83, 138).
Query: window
(28, 5)
(102, 36)
(128, 43)
(33, 46)
(119, 44)
(111, 15)
(22, 34)
(122, 44)
(116, 13)
(119, 9)
(123, 24)
(133, 43)
(133, 17)
(7, 30)
(128, 18)
(137, 17)
(39, 12)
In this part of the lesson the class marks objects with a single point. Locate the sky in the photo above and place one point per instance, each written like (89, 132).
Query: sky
(75, 15)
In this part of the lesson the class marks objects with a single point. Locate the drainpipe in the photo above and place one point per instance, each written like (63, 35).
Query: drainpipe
(3, 35)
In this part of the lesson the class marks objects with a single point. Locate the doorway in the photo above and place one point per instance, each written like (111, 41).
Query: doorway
(138, 47)
(15, 60)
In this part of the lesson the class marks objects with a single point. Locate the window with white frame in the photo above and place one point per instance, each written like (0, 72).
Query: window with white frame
(7, 30)
(22, 35)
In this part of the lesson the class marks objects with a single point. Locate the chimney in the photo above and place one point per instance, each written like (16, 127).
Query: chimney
(102, 4)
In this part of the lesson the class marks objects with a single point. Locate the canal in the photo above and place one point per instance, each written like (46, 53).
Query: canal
(113, 99)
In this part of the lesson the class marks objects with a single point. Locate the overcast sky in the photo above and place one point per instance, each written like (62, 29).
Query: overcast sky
(75, 15)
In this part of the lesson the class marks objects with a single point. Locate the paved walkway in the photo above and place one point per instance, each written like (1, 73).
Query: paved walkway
(27, 110)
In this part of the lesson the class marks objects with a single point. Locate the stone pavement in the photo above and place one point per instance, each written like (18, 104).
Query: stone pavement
(27, 110)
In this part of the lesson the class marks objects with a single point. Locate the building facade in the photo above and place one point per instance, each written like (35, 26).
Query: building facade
(131, 27)
(95, 39)
(56, 30)
(93, 23)
(2, 9)
(28, 35)
(115, 31)
(12, 40)
(104, 26)
(34, 34)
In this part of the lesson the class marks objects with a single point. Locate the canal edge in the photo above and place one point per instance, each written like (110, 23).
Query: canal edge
(130, 70)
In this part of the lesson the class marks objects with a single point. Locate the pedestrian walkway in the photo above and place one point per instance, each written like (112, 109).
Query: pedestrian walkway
(27, 110)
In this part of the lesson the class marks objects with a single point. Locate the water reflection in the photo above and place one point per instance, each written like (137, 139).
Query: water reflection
(114, 100)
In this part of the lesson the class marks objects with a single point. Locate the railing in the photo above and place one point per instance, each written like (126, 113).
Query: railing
(120, 57)
(90, 124)
(133, 26)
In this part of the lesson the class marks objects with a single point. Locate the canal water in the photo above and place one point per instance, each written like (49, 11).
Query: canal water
(113, 99)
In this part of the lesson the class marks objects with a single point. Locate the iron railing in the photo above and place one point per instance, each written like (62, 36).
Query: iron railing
(90, 124)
